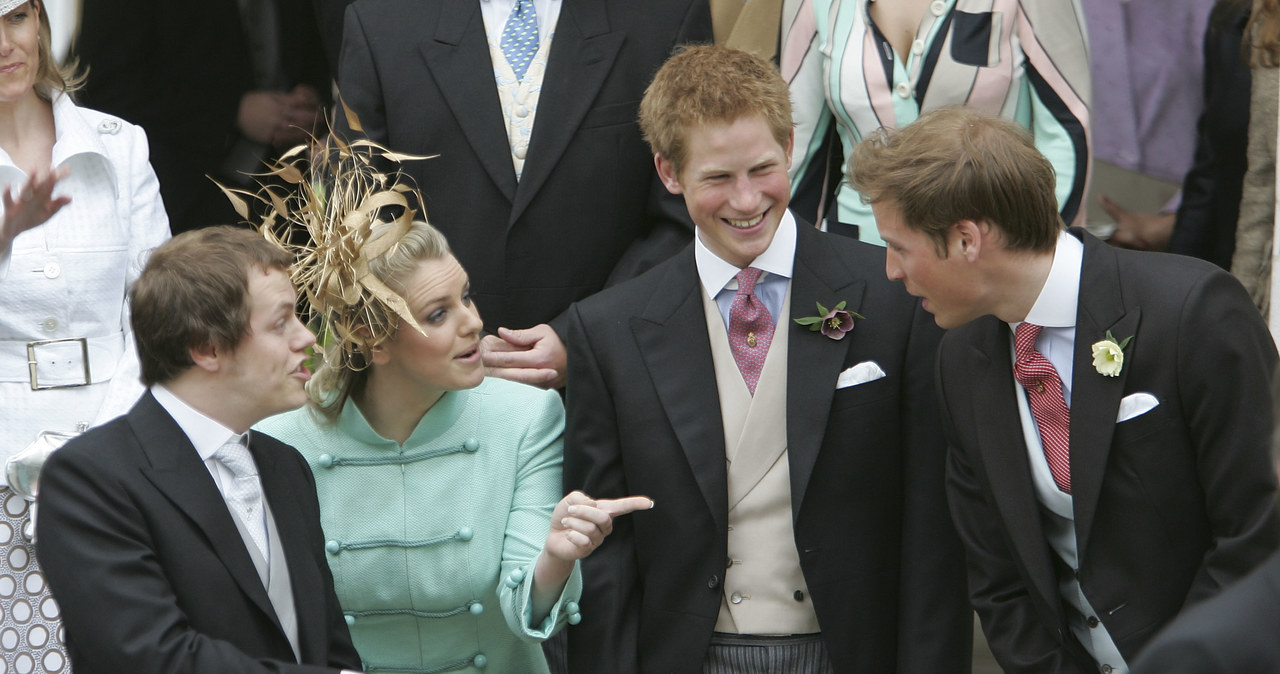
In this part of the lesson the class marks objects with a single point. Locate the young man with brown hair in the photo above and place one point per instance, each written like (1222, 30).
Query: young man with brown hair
(797, 473)
(174, 539)
(1107, 411)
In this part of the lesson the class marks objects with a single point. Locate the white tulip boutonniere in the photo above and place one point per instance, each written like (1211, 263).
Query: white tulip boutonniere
(1108, 355)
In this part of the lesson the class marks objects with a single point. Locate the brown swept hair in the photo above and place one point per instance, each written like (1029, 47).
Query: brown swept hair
(954, 164)
(194, 293)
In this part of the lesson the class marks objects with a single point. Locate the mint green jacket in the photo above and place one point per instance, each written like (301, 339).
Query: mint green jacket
(432, 544)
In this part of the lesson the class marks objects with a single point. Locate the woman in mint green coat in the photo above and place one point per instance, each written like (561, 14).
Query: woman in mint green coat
(440, 496)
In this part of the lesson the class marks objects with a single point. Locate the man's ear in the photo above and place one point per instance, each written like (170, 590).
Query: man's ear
(967, 238)
(791, 145)
(667, 172)
(207, 357)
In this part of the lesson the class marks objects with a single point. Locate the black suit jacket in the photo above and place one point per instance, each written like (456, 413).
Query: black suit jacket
(150, 571)
(589, 204)
(1232, 633)
(871, 528)
(1170, 506)
(178, 70)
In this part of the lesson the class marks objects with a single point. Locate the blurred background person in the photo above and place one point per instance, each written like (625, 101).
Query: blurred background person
(1205, 226)
(1255, 252)
(81, 208)
(219, 86)
(858, 65)
(1147, 64)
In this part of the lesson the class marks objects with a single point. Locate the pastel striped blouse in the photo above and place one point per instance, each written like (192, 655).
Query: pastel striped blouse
(1023, 60)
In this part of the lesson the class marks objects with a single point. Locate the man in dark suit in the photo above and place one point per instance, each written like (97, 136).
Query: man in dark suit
(800, 523)
(170, 544)
(1107, 411)
(542, 184)
(218, 85)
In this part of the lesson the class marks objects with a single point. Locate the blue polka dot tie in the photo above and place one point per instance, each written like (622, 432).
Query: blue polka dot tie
(750, 328)
(520, 37)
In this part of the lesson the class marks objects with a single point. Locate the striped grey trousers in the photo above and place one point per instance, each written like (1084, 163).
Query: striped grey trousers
(750, 654)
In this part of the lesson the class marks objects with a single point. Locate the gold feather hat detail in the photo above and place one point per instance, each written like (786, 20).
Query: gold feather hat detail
(339, 210)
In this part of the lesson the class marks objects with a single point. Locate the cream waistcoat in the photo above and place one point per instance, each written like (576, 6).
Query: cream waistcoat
(764, 588)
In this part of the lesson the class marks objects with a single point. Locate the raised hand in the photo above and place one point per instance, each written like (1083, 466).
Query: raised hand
(33, 205)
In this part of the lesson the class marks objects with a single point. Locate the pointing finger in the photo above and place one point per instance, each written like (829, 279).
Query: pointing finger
(623, 506)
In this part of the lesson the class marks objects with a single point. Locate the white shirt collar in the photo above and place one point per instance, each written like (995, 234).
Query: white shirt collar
(205, 434)
(73, 137)
(1055, 307)
(715, 273)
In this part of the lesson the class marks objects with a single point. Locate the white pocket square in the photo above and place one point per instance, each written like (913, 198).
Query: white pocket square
(859, 374)
(1136, 405)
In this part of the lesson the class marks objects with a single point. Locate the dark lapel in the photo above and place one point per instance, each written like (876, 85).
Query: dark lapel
(308, 596)
(814, 361)
(177, 471)
(582, 54)
(1095, 399)
(1003, 448)
(458, 57)
(671, 335)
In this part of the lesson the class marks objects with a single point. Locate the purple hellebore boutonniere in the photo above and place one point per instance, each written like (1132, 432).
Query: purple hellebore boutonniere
(833, 323)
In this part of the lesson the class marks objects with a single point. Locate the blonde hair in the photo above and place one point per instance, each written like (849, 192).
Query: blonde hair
(336, 380)
(52, 78)
(706, 84)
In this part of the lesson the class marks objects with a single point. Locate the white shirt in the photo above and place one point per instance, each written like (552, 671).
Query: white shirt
(496, 13)
(1055, 309)
(718, 276)
(206, 435)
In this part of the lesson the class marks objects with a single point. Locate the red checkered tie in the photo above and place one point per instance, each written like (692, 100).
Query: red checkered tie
(1044, 391)
(750, 328)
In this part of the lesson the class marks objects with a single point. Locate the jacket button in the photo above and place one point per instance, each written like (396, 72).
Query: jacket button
(736, 598)
(798, 595)
(713, 582)
(728, 562)
(1092, 622)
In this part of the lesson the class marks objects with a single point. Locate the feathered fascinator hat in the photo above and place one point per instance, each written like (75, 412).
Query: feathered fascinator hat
(338, 212)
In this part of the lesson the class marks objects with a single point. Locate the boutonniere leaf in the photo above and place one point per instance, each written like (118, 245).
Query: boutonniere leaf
(834, 322)
(1108, 355)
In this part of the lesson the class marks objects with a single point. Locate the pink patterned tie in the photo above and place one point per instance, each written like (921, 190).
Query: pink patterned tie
(1044, 390)
(750, 328)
